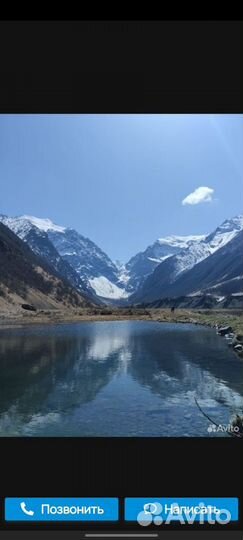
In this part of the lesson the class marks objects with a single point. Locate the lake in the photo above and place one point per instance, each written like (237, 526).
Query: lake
(119, 378)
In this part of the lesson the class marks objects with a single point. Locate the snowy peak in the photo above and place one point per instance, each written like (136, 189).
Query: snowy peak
(43, 224)
(235, 223)
(198, 251)
(224, 233)
(180, 241)
(164, 280)
(21, 225)
(145, 262)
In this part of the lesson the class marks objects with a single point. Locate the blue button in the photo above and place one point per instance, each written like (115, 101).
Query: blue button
(173, 509)
(49, 509)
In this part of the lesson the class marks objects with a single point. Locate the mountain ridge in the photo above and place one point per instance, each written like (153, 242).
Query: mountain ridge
(91, 271)
(176, 275)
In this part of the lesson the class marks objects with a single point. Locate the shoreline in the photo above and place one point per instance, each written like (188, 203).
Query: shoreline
(213, 319)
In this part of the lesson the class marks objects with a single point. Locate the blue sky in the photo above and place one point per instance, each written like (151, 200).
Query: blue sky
(121, 179)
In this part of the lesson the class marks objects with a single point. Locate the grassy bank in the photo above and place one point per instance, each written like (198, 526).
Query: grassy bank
(205, 317)
(22, 318)
(210, 318)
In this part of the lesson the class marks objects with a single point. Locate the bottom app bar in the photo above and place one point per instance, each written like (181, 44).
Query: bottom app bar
(144, 511)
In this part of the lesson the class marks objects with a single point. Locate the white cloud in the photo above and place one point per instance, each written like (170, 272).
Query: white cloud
(201, 195)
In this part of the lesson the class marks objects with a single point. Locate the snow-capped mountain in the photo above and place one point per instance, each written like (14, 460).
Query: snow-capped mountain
(33, 231)
(147, 276)
(162, 282)
(26, 278)
(217, 276)
(89, 261)
(225, 232)
(207, 246)
(75, 257)
(144, 263)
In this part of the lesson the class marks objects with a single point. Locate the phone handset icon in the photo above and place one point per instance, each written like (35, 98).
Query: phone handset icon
(24, 509)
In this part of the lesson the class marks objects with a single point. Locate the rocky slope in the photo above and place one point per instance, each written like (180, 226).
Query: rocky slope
(26, 278)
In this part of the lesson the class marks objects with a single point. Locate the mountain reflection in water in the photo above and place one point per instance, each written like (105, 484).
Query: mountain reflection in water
(133, 378)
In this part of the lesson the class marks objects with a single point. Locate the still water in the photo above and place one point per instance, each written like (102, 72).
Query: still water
(126, 378)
